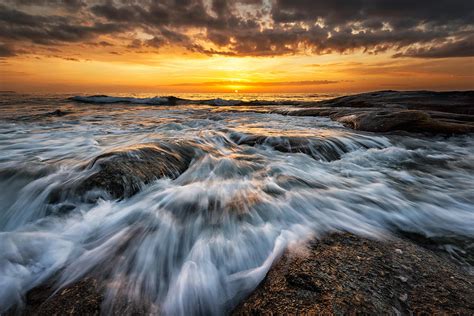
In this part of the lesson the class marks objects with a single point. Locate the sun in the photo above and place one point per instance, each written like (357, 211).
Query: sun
(235, 87)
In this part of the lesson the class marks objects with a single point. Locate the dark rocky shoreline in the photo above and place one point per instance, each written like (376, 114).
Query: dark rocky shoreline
(386, 111)
(345, 274)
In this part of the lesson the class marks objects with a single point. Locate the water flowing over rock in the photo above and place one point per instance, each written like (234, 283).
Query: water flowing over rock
(339, 274)
(325, 147)
(122, 173)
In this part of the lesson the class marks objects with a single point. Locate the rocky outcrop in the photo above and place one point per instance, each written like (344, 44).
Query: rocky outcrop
(122, 173)
(318, 149)
(345, 274)
(460, 102)
(385, 111)
(325, 146)
(406, 120)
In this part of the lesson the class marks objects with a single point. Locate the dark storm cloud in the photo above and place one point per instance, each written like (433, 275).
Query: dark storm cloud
(21, 26)
(67, 4)
(462, 48)
(402, 13)
(425, 29)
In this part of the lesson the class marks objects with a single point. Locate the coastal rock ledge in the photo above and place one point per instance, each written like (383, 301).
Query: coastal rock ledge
(345, 274)
(386, 111)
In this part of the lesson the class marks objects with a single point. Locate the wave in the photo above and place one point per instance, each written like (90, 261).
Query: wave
(172, 100)
(107, 99)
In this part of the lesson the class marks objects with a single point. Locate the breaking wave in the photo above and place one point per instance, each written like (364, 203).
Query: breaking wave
(172, 100)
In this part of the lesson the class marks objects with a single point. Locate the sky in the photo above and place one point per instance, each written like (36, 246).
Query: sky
(175, 46)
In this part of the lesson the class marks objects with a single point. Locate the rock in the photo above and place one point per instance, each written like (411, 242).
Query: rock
(323, 146)
(460, 102)
(84, 297)
(41, 116)
(345, 274)
(81, 298)
(386, 111)
(385, 120)
(122, 173)
(320, 149)
(58, 113)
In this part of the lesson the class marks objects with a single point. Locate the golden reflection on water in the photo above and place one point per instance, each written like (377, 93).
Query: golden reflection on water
(262, 130)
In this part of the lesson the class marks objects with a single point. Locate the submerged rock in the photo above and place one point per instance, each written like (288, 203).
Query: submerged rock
(58, 112)
(320, 150)
(345, 274)
(42, 116)
(323, 146)
(122, 173)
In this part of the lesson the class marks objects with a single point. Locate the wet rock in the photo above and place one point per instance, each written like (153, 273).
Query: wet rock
(345, 274)
(460, 102)
(326, 150)
(384, 121)
(58, 112)
(122, 173)
(42, 116)
(404, 120)
(412, 111)
(81, 298)
(323, 146)
(84, 297)
(453, 247)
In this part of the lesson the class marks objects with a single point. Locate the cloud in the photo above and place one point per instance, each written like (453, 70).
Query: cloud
(6, 51)
(101, 44)
(460, 48)
(422, 29)
(65, 58)
(69, 4)
(24, 27)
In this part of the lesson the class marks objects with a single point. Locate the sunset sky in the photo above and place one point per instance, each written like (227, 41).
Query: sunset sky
(245, 45)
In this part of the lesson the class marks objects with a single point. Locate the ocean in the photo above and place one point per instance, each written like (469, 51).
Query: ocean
(242, 184)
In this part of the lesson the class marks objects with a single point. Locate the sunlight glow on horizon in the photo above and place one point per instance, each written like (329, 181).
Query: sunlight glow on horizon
(97, 70)
(194, 73)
